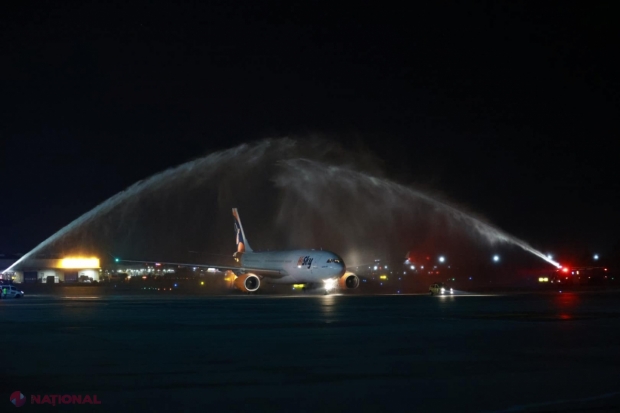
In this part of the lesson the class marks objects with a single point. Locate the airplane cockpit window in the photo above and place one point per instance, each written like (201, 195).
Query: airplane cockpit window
(330, 260)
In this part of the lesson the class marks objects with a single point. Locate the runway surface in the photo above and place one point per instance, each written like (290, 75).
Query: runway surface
(478, 353)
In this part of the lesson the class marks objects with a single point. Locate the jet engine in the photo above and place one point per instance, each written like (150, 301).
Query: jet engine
(247, 283)
(348, 281)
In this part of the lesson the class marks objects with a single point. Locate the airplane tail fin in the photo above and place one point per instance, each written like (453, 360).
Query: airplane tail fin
(242, 242)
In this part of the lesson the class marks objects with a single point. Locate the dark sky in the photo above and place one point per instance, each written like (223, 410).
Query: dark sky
(510, 109)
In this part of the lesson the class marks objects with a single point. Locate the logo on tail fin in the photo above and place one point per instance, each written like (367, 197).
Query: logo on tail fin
(242, 242)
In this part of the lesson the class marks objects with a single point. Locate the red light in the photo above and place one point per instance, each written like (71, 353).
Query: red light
(605, 269)
(564, 269)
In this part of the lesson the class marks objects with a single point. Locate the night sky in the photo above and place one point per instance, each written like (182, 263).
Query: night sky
(510, 109)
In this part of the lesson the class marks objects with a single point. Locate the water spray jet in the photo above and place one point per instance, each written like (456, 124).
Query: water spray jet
(318, 185)
(311, 173)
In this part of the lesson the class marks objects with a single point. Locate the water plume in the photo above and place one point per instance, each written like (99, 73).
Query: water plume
(317, 185)
(291, 193)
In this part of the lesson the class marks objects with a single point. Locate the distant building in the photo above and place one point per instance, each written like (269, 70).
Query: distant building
(52, 270)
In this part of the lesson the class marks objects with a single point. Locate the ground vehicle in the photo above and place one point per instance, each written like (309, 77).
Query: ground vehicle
(439, 289)
(9, 291)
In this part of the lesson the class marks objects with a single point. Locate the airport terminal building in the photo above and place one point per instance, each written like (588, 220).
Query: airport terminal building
(50, 270)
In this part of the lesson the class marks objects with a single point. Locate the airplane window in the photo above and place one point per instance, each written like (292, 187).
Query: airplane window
(329, 260)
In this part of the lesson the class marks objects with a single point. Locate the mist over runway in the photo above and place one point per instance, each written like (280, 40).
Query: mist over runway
(312, 352)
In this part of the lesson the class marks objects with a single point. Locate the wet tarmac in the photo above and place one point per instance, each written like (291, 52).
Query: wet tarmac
(478, 353)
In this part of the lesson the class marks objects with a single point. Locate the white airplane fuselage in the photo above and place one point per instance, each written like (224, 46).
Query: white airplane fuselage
(280, 267)
(296, 266)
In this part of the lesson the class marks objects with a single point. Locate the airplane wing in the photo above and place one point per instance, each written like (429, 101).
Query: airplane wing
(265, 272)
(242, 246)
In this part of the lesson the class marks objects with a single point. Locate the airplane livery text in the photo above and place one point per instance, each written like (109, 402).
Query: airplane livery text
(303, 261)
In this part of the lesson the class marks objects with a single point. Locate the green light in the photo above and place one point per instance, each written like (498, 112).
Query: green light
(116, 259)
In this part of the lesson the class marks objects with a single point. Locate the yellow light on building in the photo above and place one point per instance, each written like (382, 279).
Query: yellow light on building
(299, 285)
(383, 277)
(79, 263)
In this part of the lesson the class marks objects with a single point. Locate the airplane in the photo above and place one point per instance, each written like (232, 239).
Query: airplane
(281, 267)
